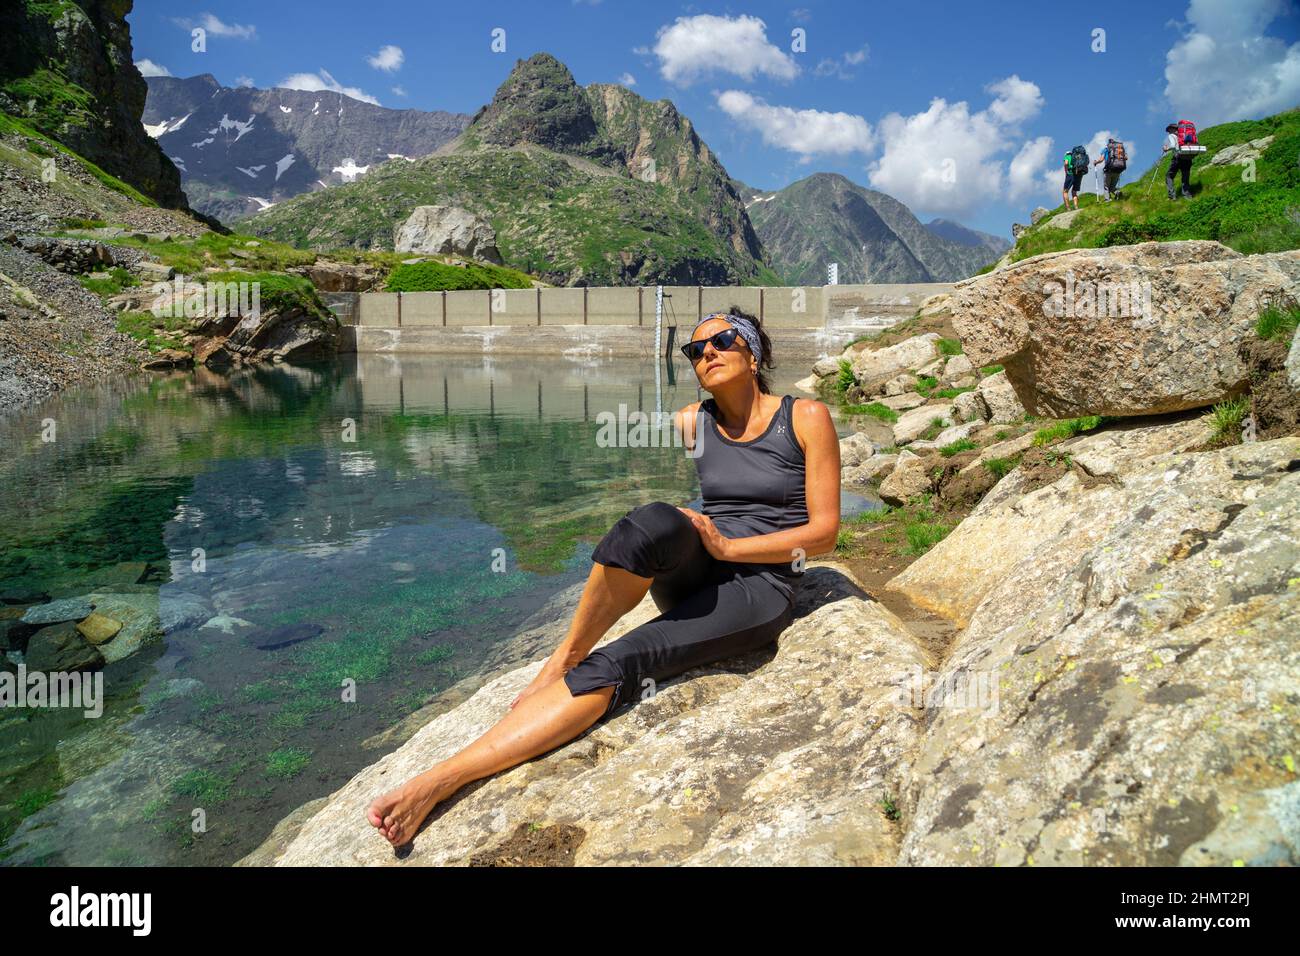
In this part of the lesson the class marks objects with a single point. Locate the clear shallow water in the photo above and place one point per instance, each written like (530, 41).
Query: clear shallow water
(374, 521)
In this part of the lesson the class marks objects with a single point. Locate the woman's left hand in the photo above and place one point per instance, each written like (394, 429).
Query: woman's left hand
(714, 541)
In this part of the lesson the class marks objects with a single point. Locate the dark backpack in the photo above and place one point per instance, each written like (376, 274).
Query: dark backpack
(1078, 160)
(1116, 160)
(1186, 133)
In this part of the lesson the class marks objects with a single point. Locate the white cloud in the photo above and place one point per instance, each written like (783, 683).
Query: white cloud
(1017, 100)
(856, 57)
(806, 132)
(323, 81)
(389, 59)
(695, 46)
(1025, 175)
(947, 160)
(627, 79)
(217, 28)
(150, 68)
(244, 81)
(1225, 68)
(837, 67)
(399, 90)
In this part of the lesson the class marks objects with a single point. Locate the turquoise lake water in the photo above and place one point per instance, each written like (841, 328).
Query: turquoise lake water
(374, 523)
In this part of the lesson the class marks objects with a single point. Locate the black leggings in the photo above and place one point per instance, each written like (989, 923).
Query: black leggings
(711, 609)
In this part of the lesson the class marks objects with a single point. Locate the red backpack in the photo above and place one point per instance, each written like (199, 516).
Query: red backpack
(1186, 133)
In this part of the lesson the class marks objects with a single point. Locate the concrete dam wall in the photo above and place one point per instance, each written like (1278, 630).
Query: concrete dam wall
(612, 320)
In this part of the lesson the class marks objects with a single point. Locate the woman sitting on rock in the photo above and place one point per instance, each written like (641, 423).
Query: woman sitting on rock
(725, 580)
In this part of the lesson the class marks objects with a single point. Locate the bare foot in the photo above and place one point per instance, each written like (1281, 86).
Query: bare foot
(397, 815)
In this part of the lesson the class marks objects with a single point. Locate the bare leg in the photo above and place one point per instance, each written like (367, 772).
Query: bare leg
(544, 716)
(608, 595)
(550, 717)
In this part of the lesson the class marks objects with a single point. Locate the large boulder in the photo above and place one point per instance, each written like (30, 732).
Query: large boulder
(447, 230)
(1138, 663)
(1125, 330)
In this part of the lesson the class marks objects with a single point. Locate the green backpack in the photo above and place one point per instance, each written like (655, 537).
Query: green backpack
(1078, 158)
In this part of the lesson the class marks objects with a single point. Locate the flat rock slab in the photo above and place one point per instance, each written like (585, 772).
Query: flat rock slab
(1143, 662)
(765, 759)
(68, 609)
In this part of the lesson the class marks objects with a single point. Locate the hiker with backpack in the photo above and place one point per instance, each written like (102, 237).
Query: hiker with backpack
(1180, 136)
(1114, 160)
(1076, 165)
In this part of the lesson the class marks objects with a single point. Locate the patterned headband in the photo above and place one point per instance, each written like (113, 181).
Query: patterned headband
(748, 331)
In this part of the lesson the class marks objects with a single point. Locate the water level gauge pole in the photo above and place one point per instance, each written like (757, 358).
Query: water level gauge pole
(659, 331)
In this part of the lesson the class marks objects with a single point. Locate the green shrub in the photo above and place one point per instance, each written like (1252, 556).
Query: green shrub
(949, 347)
(924, 535)
(151, 330)
(874, 409)
(1228, 417)
(1278, 321)
(924, 384)
(118, 279)
(845, 380)
(999, 467)
(1067, 428)
(438, 277)
(936, 425)
(961, 444)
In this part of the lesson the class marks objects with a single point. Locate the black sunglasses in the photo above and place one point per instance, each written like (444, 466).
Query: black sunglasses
(721, 342)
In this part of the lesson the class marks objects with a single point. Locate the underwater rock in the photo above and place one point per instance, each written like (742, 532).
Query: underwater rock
(179, 610)
(287, 636)
(60, 647)
(69, 609)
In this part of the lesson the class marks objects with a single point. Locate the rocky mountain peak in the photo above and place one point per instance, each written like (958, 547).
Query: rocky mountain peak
(539, 103)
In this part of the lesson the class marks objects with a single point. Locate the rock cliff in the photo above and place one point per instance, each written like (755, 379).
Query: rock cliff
(66, 68)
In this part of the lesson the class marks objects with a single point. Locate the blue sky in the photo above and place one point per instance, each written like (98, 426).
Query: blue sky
(961, 110)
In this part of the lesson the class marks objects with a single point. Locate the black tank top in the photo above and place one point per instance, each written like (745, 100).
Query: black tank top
(754, 487)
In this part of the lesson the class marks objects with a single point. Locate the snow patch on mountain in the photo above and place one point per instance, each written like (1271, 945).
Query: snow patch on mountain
(281, 164)
(350, 170)
(251, 171)
(166, 126)
(227, 124)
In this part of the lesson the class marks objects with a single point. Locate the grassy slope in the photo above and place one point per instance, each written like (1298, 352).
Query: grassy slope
(549, 216)
(1251, 217)
(42, 146)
